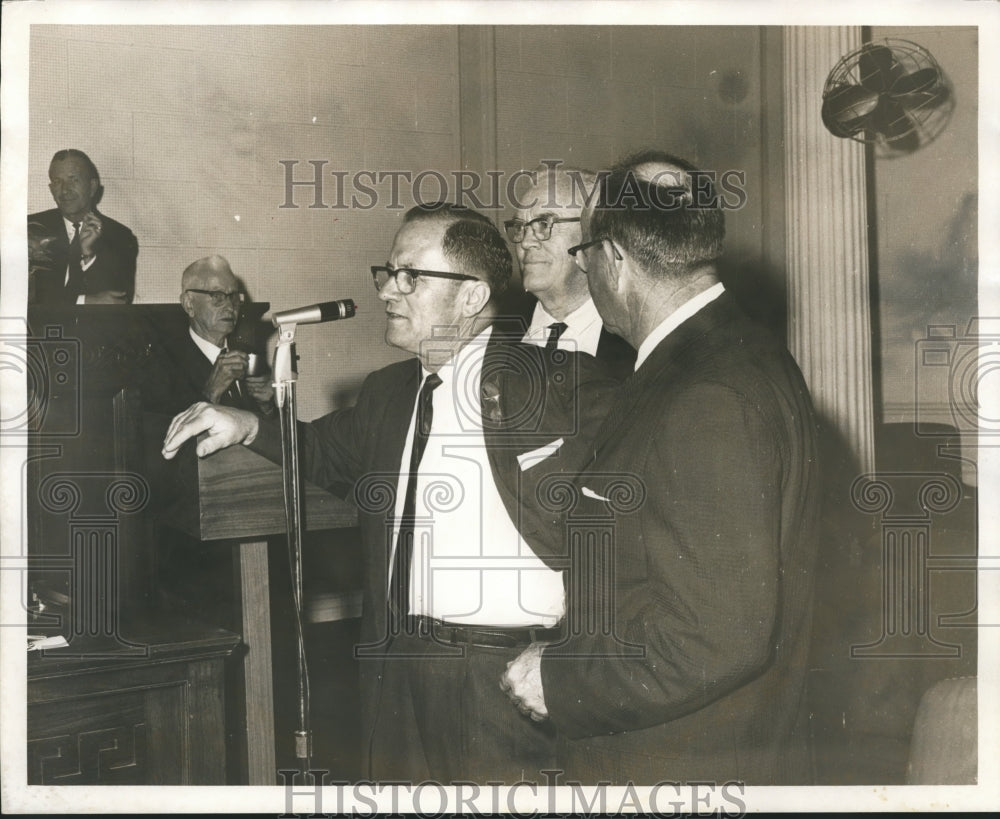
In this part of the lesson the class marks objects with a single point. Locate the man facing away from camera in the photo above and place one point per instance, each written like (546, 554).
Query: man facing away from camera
(447, 452)
(77, 254)
(548, 224)
(706, 589)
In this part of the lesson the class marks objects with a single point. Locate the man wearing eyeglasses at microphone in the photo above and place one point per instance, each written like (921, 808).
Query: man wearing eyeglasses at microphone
(455, 457)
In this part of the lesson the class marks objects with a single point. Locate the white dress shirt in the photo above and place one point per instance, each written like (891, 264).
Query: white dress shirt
(210, 350)
(470, 564)
(582, 333)
(676, 319)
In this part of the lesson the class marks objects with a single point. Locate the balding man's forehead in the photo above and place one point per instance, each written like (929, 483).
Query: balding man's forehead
(553, 190)
(208, 273)
(662, 173)
(422, 232)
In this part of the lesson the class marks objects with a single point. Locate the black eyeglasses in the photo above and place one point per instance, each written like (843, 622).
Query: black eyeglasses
(541, 227)
(576, 250)
(219, 297)
(406, 277)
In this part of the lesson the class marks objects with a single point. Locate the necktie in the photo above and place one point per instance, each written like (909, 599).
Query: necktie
(233, 392)
(74, 272)
(555, 331)
(399, 583)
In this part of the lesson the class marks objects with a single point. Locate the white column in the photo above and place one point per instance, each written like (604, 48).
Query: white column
(827, 242)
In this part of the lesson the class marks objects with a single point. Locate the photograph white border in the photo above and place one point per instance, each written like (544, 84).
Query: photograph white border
(17, 19)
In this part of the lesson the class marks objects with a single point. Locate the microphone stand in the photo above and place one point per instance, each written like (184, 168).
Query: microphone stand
(285, 377)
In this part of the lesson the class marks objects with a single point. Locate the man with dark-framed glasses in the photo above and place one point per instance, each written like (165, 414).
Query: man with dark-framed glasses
(546, 225)
(449, 454)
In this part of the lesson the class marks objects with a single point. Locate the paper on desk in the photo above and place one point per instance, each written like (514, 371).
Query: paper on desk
(36, 642)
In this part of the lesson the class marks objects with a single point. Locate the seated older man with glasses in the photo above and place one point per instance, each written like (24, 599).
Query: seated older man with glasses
(200, 364)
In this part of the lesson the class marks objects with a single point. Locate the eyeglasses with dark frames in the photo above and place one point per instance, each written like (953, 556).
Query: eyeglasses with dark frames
(406, 277)
(577, 250)
(541, 227)
(218, 297)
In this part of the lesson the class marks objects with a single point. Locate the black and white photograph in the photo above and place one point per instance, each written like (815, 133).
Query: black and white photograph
(499, 407)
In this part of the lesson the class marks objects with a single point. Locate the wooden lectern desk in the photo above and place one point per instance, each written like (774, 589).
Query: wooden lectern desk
(236, 495)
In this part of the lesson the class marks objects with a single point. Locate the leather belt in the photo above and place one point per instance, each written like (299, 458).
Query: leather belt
(480, 636)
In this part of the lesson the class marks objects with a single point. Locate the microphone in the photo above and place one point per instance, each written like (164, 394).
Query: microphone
(316, 313)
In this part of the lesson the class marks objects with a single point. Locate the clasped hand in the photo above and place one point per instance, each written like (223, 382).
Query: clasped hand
(229, 366)
(522, 682)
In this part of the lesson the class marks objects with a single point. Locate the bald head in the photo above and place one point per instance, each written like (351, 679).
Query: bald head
(196, 273)
(210, 295)
(649, 206)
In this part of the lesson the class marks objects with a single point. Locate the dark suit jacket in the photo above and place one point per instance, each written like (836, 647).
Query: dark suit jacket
(695, 665)
(538, 396)
(616, 352)
(176, 373)
(113, 268)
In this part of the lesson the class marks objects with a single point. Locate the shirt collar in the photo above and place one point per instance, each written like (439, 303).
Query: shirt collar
(210, 350)
(577, 321)
(676, 319)
(470, 355)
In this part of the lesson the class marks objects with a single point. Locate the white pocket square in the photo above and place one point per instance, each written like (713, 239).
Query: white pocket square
(590, 493)
(526, 460)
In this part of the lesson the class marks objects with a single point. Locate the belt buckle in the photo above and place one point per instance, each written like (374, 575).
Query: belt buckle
(439, 631)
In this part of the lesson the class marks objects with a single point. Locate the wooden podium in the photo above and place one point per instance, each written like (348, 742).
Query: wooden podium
(93, 476)
(236, 495)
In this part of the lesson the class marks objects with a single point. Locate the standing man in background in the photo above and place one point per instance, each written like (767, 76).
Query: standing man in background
(564, 315)
(77, 254)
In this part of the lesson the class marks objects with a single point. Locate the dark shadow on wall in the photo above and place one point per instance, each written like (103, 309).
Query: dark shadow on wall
(870, 664)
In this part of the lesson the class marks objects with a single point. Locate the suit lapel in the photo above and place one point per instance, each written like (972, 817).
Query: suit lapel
(399, 405)
(385, 457)
(196, 364)
(494, 398)
(516, 417)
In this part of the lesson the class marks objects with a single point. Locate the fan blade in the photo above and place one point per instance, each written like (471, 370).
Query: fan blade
(878, 68)
(892, 122)
(921, 100)
(921, 80)
(846, 108)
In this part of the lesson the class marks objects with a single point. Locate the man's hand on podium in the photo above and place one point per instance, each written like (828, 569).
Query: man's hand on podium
(225, 426)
